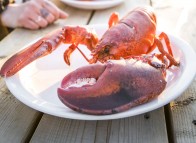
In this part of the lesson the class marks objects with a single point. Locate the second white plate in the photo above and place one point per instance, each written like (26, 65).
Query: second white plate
(96, 4)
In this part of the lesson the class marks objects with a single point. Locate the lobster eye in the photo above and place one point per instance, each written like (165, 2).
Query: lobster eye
(106, 49)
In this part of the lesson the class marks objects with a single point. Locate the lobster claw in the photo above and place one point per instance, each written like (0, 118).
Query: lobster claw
(120, 85)
(44, 46)
(41, 48)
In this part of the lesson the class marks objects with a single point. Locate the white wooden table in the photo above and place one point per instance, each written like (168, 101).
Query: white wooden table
(176, 122)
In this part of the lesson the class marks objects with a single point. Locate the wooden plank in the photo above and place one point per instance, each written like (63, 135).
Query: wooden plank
(54, 129)
(180, 18)
(139, 129)
(17, 121)
(133, 129)
(183, 113)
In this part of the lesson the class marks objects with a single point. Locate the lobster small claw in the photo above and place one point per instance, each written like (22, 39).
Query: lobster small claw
(73, 35)
(42, 47)
(118, 86)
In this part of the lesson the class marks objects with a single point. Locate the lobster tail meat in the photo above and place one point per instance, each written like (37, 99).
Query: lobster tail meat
(120, 85)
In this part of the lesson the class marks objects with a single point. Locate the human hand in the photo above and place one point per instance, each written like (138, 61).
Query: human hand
(33, 14)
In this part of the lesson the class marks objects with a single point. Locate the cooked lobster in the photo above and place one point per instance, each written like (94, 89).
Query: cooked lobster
(130, 82)
(135, 34)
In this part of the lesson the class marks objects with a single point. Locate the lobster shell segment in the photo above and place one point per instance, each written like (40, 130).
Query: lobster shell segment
(120, 85)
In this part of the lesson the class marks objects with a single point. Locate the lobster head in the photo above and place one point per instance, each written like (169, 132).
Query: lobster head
(132, 35)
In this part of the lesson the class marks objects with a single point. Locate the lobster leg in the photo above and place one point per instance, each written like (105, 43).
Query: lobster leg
(169, 54)
(79, 36)
(114, 18)
(167, 42)
(68, 53)
(70, 50)
(158, 43)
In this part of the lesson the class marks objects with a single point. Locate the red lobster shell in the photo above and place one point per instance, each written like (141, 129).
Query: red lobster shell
(120, 85)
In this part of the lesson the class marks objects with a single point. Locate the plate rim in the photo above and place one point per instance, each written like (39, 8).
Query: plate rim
(92, 4)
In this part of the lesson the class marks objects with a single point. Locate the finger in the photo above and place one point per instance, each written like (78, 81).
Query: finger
(39, 20)
(34, 14)
(51, 9)
(29, 24)
(63, 14)
(26, 21)
(46, 15)
(33, 6)
(50, 18)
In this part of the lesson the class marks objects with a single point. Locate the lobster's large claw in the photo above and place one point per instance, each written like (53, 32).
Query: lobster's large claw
(42, 47)
(119, 86)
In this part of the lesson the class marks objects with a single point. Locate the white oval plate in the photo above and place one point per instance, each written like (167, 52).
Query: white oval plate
(96, 4)
(36, 84)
